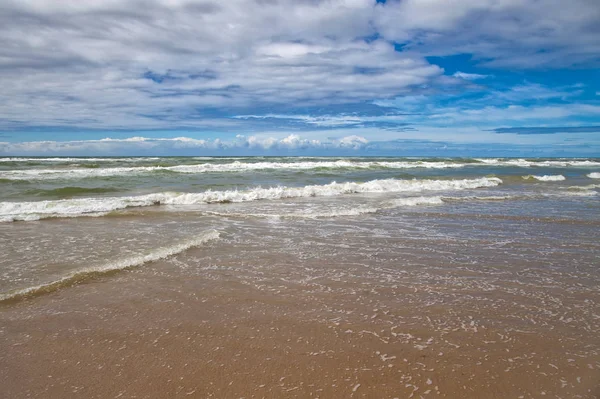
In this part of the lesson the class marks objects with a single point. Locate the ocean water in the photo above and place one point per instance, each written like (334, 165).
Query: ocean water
(62, 219)
(382, 277)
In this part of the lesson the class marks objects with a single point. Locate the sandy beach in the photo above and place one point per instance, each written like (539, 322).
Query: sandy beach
(304, 313)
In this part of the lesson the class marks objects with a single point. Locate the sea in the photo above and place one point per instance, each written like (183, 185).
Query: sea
(505, 251)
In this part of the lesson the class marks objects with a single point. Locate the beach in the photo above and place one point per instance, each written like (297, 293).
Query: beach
(299, 277)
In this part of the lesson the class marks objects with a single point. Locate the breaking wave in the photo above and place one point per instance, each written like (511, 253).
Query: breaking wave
(79, 173)
(111, 267)
(594, 175)
(13, 211)
(524, 163)
(546, 177)
(70, 191)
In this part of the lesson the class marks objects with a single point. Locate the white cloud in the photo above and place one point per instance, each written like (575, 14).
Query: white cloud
(329, 121)
(134, 145)
(489, 114)
(166, 64)
(469, 76)
(108, 64)
(516, 33)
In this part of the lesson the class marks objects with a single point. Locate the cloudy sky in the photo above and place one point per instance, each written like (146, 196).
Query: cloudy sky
(324, 77)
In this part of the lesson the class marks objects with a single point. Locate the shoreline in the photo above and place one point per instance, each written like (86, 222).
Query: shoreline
(213, 322)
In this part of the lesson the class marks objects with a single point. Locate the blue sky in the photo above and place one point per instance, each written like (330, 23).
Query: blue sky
(303, 77)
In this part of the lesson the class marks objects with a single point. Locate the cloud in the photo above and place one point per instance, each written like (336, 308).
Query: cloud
(161, 146)
(549, 130)
(352, 145)
(530, 102)
(513, 113)
(506, 33)
(334, 121)
(119, 65)
(184, 64)
(469, 76)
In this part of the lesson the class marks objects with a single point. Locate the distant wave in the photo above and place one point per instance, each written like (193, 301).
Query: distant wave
(78, 173)
(243, 165)
(70, 191)
(546, 177)
(121, 264)
(524, 163)
(13, 211)
(594, 175)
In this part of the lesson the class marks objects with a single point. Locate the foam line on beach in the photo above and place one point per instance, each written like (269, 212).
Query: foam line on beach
(356, 211)
(108, 268)
(26, 211)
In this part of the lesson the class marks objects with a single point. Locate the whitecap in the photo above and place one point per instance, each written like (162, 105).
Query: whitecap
(546, 177)
(12, 211)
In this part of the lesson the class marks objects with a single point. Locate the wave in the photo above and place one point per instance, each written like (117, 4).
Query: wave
(484, 198)
(121, 264)
(524, 163)
(573, 193)
(26, 211)
(594, 175)
(546, 177)
(79, 173)
(71, 191)
(584, 188)
(357, 211)
(300, 215)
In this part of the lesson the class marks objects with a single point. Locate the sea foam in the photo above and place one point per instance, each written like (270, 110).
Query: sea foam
(12, 211)
(121, 264)
(524, 163)
(332, 213)
(594, 175)
(244, 166)
(546, 177)
(236, 166)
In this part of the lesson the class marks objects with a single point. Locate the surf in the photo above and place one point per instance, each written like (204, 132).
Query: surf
(28, 211)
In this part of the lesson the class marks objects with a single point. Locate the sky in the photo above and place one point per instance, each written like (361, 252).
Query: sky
(300, 77)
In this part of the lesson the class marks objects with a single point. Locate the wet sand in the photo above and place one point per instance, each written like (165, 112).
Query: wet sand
(309, 315)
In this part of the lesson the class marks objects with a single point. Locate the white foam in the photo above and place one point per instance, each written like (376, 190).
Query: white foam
(415, 201)
(594, 175)
(124, 263)
(236, 166)
(586, 187)
(12, 211)
(528, 163)
(242, 165)
(302, 215)
(582, 193)
(356, 211)
(546, 177)
(483, 198)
